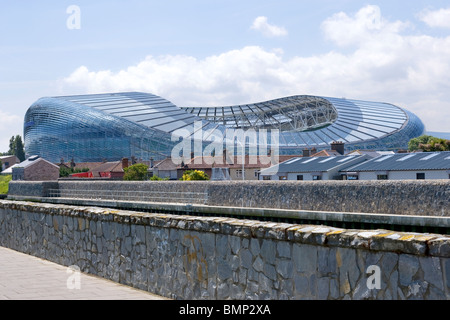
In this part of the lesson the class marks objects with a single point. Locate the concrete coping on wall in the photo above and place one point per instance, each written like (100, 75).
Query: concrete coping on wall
(348, 217)
(415, 198)
(374, 240)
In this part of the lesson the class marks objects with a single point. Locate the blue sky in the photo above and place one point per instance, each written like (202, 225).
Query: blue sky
(225, 52)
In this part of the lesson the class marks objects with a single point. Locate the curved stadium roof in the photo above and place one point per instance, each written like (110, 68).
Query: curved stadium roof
(308, 121)
(111, 126)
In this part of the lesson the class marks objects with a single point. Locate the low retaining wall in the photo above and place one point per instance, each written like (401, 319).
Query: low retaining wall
(186, 257)
(425, 198)
(389, 197)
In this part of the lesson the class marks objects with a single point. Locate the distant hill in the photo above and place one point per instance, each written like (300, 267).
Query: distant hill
(442, 135)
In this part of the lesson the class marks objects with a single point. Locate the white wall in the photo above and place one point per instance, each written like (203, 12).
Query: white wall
(392, 175)
(293, 176)
(406, 175)
(306, 176)
(411, 175)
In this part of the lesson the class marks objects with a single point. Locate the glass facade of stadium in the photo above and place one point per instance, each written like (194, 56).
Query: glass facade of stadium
(99, 127)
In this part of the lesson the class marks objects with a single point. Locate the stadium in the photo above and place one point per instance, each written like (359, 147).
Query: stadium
(98, 127)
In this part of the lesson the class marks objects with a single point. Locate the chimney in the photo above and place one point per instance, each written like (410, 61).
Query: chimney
(151, 162)
(338, 146)
(306, 153)
(124, 163)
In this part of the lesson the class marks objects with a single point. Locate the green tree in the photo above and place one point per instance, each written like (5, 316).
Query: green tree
(11, 146)
(429, 144)
(19, 148)
(414, 143)
(16, 147)
(193, 175)
(156, 178)
(65, 172)
(136, 172)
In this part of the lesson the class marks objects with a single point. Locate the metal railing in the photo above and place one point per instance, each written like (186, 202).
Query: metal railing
(141, 196)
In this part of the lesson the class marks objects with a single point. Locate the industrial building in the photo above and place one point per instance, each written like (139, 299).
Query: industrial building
(401, 166)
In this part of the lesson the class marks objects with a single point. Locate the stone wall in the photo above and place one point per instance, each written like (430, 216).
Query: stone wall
(427, 198)
(186, 257)
(31, 189)
(389, 197)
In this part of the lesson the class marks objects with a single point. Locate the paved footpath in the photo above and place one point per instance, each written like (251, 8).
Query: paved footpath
(25, 277)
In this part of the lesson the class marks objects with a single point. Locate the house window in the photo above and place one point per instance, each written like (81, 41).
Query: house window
(352, 177)
(256, 173)
(239, 173)
(300, 177)
(420, 176)
(283, 177)
(382, 177)
(266, 178)
(317, 178)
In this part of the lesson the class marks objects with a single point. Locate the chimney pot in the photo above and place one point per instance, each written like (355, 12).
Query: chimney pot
(125, 163)
(338, 146)
(306, 153)
(151, 162)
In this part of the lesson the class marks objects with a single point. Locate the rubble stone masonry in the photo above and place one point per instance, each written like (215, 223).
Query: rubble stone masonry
(186, 257)
(424, 198)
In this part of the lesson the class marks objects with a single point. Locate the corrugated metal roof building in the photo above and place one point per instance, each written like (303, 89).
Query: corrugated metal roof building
(401, 166)
(313, 168)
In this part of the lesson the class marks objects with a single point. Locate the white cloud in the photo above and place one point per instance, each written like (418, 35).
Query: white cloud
(8, 124)
(383, 64)
(366, 25)
(7, 119)
(226, 78)
(261, 24)
(437, 18)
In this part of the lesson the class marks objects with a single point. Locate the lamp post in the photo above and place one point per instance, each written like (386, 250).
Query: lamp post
(243, 152)
(243, 158)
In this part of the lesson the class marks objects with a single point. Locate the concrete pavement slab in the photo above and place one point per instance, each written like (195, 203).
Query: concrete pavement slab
(25, 277)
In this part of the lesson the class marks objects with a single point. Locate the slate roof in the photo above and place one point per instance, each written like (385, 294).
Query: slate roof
(26, 163)
(81, 165)
(207, 162)
(406, 162)
(7, 157)
(250, 162)
(166, 165)
(326, 153)
(115, 166)
(314, 164)
(371, 153)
